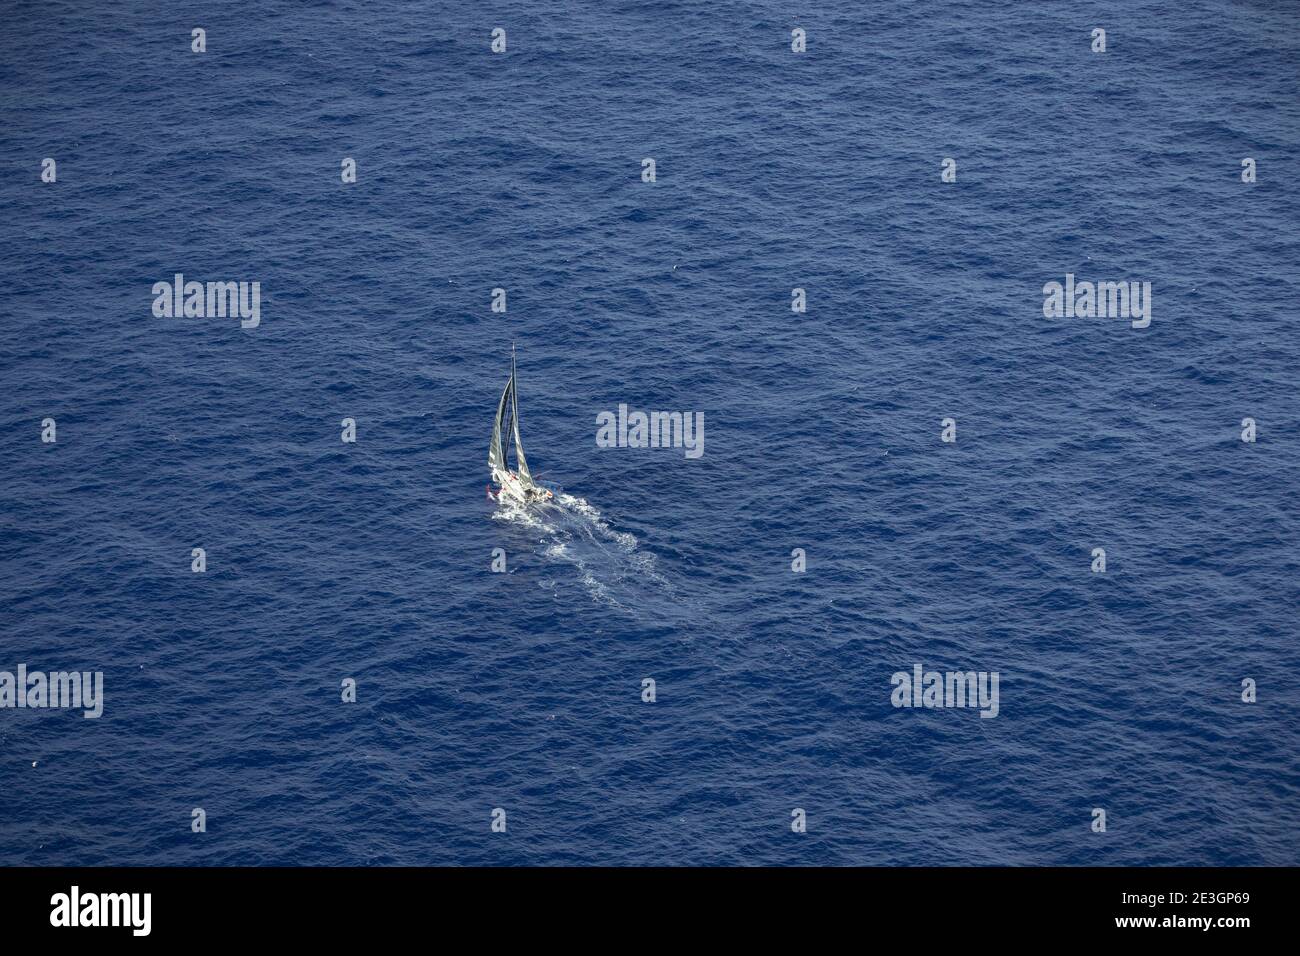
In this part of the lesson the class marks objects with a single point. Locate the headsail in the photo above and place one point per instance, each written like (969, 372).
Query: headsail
(497, 450)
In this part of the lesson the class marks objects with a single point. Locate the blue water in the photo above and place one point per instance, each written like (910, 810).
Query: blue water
(522, 691)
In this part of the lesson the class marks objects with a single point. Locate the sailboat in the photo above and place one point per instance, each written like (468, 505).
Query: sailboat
(517, 485)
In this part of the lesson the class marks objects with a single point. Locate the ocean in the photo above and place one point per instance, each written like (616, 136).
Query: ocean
(518, 697)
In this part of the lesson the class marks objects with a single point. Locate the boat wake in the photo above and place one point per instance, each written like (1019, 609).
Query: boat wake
(610, 564)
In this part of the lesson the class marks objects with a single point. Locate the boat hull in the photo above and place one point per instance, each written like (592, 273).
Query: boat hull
(510, 488)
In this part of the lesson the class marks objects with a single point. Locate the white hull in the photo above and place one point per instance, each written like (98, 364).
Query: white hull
(509, 488)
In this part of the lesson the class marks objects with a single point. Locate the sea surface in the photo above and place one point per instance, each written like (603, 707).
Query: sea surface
(522, 691)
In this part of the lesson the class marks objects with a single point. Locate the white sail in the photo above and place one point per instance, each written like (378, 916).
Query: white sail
(497, 451)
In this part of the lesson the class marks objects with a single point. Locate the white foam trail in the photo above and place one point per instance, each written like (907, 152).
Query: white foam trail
(519, 514)
(580, 506)
(609, 564)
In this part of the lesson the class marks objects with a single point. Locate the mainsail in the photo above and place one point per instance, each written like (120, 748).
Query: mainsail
(506, 428)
